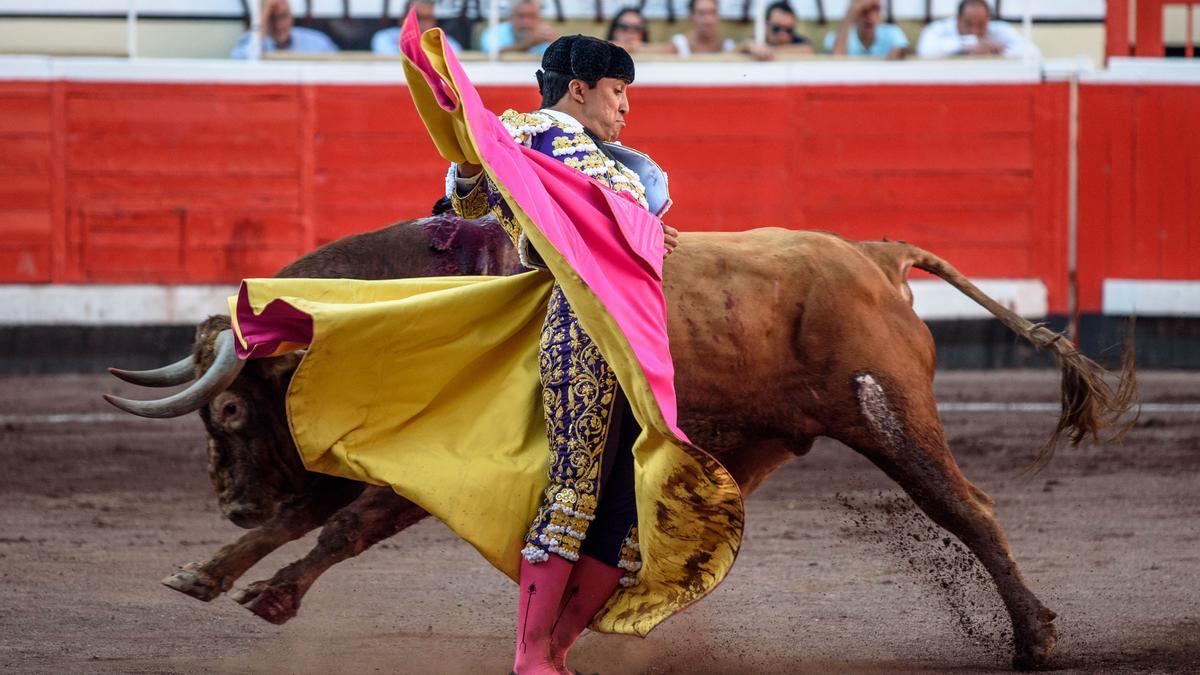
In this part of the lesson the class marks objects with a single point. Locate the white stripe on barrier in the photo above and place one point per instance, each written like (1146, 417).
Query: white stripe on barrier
(951, 407)
(110, 305)
(1143, 70)
(935, 299)
(1151, 297)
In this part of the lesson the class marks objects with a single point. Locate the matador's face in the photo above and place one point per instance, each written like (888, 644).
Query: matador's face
(604, 106)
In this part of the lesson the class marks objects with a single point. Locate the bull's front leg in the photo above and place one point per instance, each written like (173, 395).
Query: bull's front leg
(376, 515)
(209, 579)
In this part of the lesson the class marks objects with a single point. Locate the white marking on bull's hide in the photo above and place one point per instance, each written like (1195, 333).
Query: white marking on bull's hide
(873, 403)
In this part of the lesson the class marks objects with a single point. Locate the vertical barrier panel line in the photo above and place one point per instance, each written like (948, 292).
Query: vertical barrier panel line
(61, 261)
(1073, 209)
(1048, 239)
(308, 166)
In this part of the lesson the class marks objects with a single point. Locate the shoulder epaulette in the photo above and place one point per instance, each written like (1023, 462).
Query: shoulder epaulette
(524, 126)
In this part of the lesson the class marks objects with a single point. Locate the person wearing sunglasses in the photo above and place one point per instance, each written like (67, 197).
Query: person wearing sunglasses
(781, 30)
(628, 30)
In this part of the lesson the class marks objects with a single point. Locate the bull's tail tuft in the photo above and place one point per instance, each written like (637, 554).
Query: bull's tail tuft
(1091, 408)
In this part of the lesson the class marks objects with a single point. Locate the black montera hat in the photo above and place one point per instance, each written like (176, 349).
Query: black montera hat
(582, 57)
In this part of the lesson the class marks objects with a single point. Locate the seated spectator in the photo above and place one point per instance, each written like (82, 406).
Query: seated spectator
(703, 38)
(280, 34)
(781, 30)
(387, 41)
(523, 32)
(862, 33)
(628, 30)
(781, 34)
(973, 33)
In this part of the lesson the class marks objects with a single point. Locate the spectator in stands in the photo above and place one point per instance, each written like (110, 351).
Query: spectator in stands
(280, 34)
(387, 41)
(703, 38)
(781, 30)
(973, 33)
(862, 33)
(628, 30)
(781, 35)
(523, 32)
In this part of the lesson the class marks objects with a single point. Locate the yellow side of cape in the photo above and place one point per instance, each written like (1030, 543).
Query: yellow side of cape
(429, 386)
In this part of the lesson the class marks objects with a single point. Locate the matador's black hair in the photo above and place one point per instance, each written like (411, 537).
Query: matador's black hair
(580, 57)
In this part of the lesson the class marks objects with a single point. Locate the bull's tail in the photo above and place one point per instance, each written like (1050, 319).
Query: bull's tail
(1091, 408)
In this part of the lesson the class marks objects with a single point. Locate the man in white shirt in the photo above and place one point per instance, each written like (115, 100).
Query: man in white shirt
(973, 33)
(279, 33)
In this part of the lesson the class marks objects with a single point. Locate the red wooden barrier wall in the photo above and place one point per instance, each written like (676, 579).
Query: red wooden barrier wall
(1139, 185)
(189, 183)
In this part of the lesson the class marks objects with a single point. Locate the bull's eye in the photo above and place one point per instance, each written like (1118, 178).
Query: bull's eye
(228, 411)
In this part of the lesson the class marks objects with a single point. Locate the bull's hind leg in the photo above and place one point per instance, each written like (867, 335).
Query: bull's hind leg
(903, 436)
(376, 515)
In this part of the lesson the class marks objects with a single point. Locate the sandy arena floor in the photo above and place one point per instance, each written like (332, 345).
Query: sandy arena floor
(837, 573)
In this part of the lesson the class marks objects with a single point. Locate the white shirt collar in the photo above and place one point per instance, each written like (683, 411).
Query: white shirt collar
(561, 117)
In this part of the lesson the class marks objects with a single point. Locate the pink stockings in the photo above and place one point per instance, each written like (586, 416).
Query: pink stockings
(557, 602)
(591, 585)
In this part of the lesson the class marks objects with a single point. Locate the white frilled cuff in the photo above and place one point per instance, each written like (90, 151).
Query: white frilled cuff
(462, 186)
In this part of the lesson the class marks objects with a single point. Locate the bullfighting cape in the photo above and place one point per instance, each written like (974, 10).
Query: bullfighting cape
(430, 386)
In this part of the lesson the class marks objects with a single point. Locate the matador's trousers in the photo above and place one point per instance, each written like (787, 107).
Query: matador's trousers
(589, 506)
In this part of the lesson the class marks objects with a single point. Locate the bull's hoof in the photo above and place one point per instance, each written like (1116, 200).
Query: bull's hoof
(1037, 647)
(276, 604)
(192, 580)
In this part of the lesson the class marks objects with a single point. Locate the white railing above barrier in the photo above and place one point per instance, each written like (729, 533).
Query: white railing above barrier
(676, 72)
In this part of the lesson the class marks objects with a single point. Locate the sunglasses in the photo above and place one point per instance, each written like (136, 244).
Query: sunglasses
(630, 26)
(776, 28)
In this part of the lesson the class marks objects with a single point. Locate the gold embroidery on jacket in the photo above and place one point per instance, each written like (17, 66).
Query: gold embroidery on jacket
(578, 394)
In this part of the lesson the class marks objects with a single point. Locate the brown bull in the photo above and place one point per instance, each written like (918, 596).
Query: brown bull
(778, 337)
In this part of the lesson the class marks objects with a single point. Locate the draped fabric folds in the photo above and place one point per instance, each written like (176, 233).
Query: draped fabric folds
(430, 386)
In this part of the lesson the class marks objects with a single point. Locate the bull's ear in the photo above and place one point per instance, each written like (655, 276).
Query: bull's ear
(279, 369)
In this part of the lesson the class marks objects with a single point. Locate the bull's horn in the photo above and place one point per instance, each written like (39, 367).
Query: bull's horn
(168, 376)
(224, 370)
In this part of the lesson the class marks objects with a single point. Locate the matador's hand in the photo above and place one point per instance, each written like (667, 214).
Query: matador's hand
(670, 239)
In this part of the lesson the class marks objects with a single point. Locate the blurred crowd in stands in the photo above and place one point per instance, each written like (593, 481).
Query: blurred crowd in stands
(973, 31)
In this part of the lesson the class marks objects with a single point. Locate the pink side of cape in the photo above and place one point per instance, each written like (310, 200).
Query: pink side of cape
(277, 325)
(614, 245)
